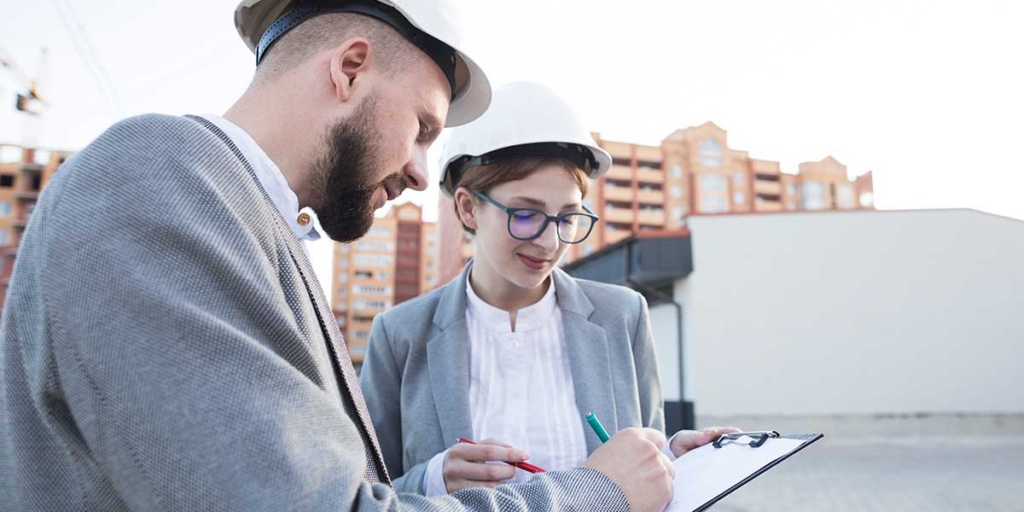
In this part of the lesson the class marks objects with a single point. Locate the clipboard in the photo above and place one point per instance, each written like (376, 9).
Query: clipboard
(707, 474)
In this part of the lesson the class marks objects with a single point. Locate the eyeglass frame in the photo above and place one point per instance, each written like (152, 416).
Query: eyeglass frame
(557, 219)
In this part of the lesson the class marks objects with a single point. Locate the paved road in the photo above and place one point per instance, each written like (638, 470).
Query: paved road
(866, 472)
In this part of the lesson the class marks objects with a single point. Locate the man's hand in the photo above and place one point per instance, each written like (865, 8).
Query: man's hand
(632, 459)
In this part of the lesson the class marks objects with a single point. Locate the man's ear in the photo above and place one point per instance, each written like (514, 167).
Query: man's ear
(350, 62)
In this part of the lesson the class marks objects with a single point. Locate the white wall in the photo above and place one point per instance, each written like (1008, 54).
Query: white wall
(857, 312)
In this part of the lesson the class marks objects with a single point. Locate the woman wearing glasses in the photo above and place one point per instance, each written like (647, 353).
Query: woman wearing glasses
(514, 352)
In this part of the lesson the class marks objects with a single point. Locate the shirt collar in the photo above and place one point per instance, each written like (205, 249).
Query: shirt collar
(271, 179)
(530, 318)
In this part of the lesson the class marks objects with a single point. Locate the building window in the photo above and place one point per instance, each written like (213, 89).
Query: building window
(5, 209)
(374, 261)
(713, 204)
(364, 274)
(342, 292)
(790, 189)
(649, 166)
(677, 212)
(374, 246)
(739, 179)
(6, 181)
(371, 290)
(342, 277)
(739, 197)
(383, 276)
(361, 335)
(710, 154)
(814, 195)
(3, 237)
(867, 199)
(677, 192)
(677, 171)
(381, 232)
(845, 197)
(713, 183)
(367, 305)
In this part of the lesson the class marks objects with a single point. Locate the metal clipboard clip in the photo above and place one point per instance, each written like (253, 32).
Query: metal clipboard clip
(758, 438)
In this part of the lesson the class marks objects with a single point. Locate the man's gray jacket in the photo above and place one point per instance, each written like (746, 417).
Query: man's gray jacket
(165, 345)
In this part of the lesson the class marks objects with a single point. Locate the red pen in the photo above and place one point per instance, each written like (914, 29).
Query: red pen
(525, 466)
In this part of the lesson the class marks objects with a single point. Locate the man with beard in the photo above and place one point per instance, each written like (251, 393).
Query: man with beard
(165, 343)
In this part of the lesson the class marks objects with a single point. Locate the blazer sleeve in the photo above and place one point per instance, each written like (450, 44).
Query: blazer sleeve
(176, 351)
(652, 408)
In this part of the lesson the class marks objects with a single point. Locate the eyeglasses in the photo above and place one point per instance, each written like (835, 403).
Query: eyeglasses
(527, 224)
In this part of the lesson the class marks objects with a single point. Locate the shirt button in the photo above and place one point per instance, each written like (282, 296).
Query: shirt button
(303, 219)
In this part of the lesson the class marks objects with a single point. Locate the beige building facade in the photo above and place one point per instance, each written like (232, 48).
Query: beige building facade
(693, 172)
(396, 261)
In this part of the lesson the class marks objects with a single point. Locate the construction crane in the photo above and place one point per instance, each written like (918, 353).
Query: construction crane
(30, 100)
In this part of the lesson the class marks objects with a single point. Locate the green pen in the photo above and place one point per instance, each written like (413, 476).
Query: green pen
(595, 424)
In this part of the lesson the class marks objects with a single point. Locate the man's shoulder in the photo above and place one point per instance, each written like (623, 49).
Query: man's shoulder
(153, 164)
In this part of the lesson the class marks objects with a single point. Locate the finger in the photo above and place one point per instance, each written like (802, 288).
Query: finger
(722, 430)
(654, 436)
(494, 442)
(489, 452)
(480, 472)
(686, 440)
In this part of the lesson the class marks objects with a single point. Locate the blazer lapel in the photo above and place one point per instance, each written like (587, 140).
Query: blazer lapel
(339, 351)
(448, 362)
(336, 345)
(589, 358)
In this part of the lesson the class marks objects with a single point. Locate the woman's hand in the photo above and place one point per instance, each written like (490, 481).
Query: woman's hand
(686, 440)
(466, 464)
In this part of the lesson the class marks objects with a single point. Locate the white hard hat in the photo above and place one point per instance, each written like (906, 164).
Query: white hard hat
(524, 119)
(429, 24)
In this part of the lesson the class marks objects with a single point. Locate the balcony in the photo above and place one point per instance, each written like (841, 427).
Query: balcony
(767, 187)
(619, 215)
(623, 194)
(647, 175)
(619, 172)
(651, 217)
(768, 206)
(650, 196)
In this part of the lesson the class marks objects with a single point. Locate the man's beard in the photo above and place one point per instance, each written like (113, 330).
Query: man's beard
(343, 178)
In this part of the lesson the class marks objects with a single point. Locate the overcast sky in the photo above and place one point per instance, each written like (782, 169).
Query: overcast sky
(927, 94)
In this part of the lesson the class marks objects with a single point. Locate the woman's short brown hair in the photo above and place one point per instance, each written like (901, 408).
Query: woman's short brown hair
(485, 177)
